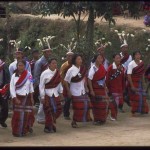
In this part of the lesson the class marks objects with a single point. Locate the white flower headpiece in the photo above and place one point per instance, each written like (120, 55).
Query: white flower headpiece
(71, 46)
(1, 39)
(45, 40)
(103, 43)
(27, 47)
(15, 44)
(123, 37)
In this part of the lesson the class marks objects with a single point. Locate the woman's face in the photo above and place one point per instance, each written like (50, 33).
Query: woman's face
(53, 65)
(99, 59)
(117, 59)
(20, 67)
(137, 56)
(79, 61)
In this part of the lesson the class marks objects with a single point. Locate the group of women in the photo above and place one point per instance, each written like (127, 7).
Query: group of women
(91, 88)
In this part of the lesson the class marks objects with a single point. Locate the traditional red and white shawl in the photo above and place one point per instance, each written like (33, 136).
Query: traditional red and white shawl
(55, 80)
(82, 73)
(22, 79)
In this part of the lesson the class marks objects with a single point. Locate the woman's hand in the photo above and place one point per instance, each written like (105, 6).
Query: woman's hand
(69, 94)
(61, 97)
(87, 90)
(106, 89)
(17, 101)
(92, 93)
(42, 101)
(133, 89)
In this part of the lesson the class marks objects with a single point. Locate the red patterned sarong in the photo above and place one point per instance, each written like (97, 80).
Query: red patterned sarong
(81, 108)
(99, 102)
(23, 116)
(52, 109)
(138, 99)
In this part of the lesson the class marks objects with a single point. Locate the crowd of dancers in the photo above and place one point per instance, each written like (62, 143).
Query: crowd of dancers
(100, 87)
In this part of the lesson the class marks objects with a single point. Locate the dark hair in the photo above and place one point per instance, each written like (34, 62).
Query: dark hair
(135, 52)
(34, 51)
(51, 59)
(114, 55)
(74, 58)
(95, 57)
(21, 61)
(20, 49)
(45, 47)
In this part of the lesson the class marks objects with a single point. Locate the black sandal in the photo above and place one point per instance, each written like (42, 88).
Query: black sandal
(54, 128)
(74, 125)
(31, 130)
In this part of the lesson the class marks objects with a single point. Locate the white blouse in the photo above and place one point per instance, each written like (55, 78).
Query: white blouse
(77, 89)
(131, 66)
(92, 71)
(25, 89)
(46, 76)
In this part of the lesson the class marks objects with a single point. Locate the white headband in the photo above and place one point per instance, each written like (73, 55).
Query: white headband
(123, 45)
(69, 53)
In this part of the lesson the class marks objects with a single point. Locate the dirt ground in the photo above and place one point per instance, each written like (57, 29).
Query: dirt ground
(126, 131)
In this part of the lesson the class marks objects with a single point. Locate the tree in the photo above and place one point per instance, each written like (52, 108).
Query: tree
(65, 9)
(76, 9)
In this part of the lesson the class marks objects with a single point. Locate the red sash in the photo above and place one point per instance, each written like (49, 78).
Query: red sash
(125, 58)
(138, 71)
(78, 78)
(56, 79)
(22, 79)
(99, 75)
(117, 72)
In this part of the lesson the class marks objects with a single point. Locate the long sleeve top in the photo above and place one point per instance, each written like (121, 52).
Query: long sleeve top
(25, 89)
(46, 76)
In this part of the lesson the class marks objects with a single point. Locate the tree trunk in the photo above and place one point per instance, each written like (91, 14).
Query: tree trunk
(90, 34)
(78, 27)
(8, 51)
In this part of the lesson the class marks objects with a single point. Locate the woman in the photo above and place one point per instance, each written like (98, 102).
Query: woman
(75, 82)
(98, 91)
(115, 80)
(136, 92)
(51, 92)
(21, 89)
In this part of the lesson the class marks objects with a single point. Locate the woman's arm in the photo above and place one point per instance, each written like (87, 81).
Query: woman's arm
(86, 86)
(131, 83)
(91, 87)
(13, 91)
(67, 86)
